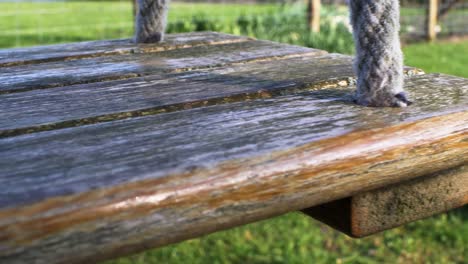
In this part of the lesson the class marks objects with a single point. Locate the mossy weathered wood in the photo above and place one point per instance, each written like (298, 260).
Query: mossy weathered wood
(374, 211)
(109, 168)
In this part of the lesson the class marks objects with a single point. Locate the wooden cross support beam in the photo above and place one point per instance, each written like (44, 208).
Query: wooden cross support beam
(109, 148)
(374, 211)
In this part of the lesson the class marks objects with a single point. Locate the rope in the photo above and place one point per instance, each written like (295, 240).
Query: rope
(151, 20)
(379, 60)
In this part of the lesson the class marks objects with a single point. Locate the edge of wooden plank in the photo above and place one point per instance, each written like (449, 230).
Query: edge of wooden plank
(150, 213)
(104, 154)
(138, 66)
(80, 50)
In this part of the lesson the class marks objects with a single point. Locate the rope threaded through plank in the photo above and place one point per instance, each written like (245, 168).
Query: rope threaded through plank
(151, 20)
(379, 60)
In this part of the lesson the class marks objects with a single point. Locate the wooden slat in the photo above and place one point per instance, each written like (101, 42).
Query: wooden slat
(374, 211)
(315, 115)
(98, 102)
(70, 51)
(115, 188)
(159, 92)
(62, 73)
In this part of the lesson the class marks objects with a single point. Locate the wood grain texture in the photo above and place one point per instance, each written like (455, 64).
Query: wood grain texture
(104, 169)
(153, 210)
(390, 207)
(109, 189)
(377, 210)
(79, 50)
(160, 92)
(106, 101)
(116, 67)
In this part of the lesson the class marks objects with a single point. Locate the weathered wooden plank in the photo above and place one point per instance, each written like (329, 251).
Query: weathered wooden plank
(70, 51)
(90, 103)
(325, 107)
(391, 206)
(158, 92)
(115, 188)
(62, 73)
(131, 217)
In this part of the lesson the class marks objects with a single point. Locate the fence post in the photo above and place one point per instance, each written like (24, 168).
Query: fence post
(431, 19)
(313, 15)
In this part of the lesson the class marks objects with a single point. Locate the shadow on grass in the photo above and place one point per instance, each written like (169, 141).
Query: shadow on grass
(461, 212)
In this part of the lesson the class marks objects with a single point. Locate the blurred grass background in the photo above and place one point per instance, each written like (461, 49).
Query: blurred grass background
(39, 23)
(292, 238)
(295, 238)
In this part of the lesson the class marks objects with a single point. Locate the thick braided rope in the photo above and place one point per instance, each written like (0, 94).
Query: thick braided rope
(151, 20)
(379, 60)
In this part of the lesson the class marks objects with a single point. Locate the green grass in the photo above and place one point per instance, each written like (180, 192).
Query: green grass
(421, 11)
(292, 238)
(26, 23)
(295, 238)
(443, 57)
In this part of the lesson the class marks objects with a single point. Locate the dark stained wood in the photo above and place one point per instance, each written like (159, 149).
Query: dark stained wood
(117, 67)
(391, 206)
(70, 51)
